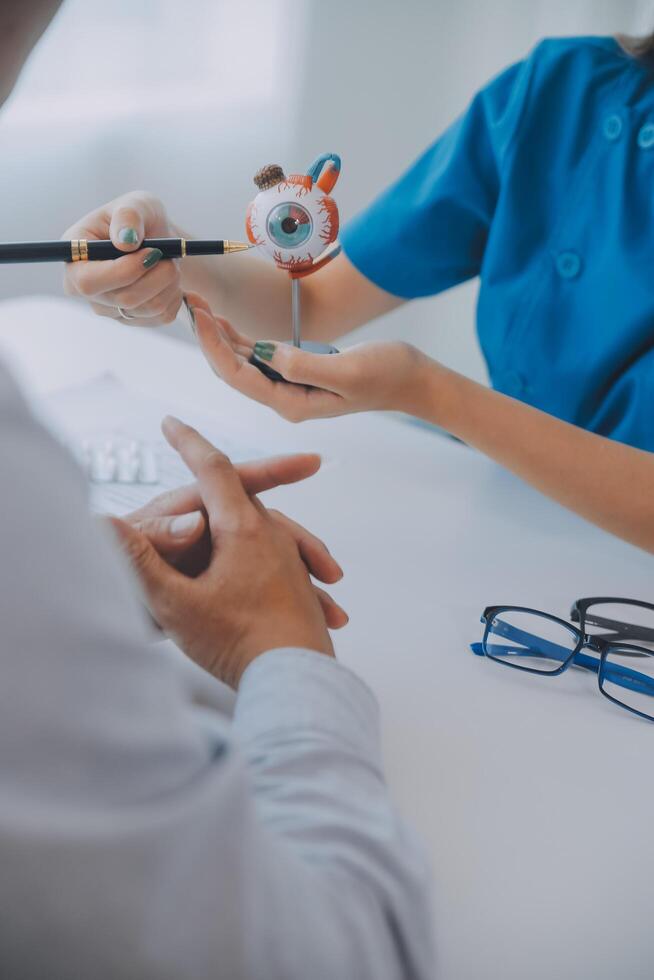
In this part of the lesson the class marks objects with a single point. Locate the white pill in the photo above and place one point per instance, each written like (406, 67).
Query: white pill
(148, 470)
(102, 467)
(127, 469)
(124, 454)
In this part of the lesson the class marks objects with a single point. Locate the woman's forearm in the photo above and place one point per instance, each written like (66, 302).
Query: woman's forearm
(606, 482)
(256, 296)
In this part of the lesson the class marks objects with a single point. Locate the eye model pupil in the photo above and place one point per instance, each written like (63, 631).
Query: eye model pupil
(289, 225)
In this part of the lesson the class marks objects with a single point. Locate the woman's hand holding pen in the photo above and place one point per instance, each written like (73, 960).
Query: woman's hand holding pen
(148, 290)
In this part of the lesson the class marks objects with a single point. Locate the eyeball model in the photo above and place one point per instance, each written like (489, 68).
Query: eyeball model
(293, 218)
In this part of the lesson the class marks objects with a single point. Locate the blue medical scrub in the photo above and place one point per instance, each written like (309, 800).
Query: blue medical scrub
(544, 189)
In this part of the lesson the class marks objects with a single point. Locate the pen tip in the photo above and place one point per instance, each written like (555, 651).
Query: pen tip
(229, 246)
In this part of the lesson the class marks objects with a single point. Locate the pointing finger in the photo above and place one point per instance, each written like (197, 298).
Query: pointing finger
(224, 498)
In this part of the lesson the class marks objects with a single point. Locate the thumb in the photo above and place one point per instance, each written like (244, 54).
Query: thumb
(127, 228)
(172, 535)
(300, 367)
(161, 584)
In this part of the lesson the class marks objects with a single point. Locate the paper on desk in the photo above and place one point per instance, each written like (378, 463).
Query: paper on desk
(104, 408)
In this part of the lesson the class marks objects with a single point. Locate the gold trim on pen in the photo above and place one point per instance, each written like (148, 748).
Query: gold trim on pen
(183, 241)
(229, 246)
(74, 250)
(83, 250)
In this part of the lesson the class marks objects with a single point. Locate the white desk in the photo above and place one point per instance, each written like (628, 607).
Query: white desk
(534, 795)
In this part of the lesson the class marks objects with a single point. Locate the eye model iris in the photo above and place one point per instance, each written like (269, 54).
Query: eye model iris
(289, 225)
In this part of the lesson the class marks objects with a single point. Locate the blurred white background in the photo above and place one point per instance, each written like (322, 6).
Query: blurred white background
(189, 99)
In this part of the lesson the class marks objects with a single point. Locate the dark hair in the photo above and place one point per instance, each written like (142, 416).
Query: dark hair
(638, 47)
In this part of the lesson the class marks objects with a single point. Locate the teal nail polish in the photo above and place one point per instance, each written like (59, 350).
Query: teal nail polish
(128, 236)
(264, 351)
(152, 258)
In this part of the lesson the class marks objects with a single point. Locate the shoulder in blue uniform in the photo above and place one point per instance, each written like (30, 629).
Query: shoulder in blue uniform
(428, 231)
(569, 81)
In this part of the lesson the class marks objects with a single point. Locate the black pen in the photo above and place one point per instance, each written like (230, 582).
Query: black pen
(88, 250)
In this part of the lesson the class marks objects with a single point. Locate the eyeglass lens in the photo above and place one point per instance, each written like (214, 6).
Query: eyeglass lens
(627, 676)
(529, 640)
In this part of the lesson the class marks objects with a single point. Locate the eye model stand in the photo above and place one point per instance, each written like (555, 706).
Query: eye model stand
(296, 312)
(294, 219)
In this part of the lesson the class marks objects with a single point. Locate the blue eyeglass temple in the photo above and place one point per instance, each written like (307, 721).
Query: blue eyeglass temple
(625, 677)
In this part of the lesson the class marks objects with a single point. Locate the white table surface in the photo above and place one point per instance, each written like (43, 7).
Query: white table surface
(532, 794)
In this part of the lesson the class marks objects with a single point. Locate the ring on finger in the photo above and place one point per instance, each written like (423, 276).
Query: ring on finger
(125, 315)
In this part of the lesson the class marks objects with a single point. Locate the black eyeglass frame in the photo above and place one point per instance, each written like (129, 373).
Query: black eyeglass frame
(599, 644)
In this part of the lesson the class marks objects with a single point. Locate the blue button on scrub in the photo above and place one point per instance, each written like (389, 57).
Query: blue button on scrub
(646, 136)
(568, 265)
(544, 189)
(612, 127)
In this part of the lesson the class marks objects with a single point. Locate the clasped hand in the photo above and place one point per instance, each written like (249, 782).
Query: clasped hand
(226, 578)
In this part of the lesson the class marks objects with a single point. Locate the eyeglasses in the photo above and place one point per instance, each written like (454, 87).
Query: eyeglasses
(619, 631)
